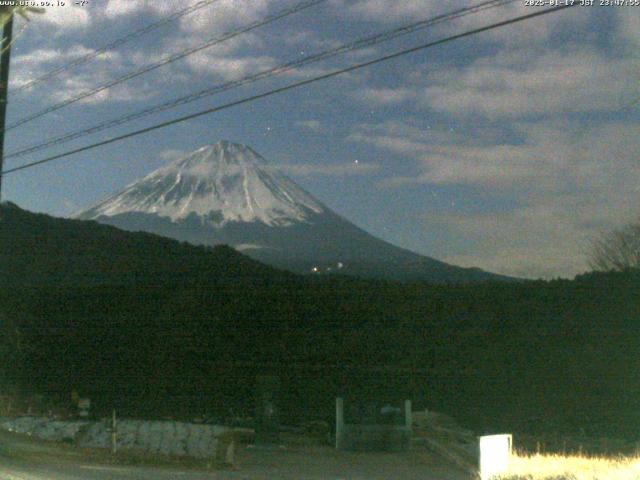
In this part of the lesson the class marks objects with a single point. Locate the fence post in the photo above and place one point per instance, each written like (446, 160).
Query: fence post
(114, 433)
(339, 421)
(408, 417)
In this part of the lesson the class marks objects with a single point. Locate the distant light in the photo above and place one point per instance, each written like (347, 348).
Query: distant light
(355, 161)
(314, 269)
(340, 265)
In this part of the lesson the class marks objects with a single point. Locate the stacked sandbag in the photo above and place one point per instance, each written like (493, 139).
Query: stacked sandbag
(162, 437)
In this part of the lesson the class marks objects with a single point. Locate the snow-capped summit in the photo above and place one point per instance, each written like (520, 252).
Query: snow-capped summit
(228, 194)
(220, 183)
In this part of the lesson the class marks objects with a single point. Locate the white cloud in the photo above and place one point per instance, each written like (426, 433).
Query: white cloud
(205, 22)
(306, 39)
(534, 31)
(567, 183)
(69, 16)
(392, 10)
(124, 92)
(49, 55)
(249, 40)
(313, 125)
(406, 138)
(384, 96)
(40, 61)
(546, 238)
(119, 8)
(530, 242)
(551, 155)
(209, 20)
(172, 154)
(225, 14)
(354, 168)
(228, 67)
(516, 83)
(78, 80)
(628, 20)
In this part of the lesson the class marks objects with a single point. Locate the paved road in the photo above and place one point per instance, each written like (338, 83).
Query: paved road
(23, 459)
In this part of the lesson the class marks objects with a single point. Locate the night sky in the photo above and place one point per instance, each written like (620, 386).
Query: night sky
(509, 150)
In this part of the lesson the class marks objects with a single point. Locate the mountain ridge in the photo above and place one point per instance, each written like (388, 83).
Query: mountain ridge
(36, 248)
(225, 177)
(226, 193)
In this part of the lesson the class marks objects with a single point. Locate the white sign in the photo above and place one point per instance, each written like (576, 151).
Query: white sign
(495, 451)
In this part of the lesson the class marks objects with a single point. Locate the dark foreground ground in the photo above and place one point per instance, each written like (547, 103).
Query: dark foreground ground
(22, 458)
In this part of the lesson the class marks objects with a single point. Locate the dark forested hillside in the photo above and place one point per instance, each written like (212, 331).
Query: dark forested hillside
(42, 250)
(155, 327)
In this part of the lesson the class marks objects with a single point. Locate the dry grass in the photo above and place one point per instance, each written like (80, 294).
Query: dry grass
(572, 467)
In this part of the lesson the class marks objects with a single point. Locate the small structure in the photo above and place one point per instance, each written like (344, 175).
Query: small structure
(495, 451)
(380, 426)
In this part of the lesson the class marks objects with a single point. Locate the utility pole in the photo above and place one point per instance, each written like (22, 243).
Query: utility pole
(5, 57)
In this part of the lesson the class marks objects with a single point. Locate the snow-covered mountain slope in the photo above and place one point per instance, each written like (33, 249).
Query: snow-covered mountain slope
(225, 182)
(227, 193)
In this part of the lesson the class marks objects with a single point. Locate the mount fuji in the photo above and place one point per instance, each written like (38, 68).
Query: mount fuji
(227, 193)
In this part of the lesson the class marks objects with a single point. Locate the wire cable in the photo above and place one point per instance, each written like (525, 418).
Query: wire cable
(167, 60)
(290, 87)
(116, 43)
(358, 44)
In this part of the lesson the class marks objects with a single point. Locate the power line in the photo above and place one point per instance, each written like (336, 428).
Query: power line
(116, 43)
(167, 60)
(358, 44)
(292, 86)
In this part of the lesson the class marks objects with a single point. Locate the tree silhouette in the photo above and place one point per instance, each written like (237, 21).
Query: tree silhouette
(617, 250)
